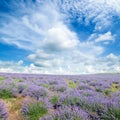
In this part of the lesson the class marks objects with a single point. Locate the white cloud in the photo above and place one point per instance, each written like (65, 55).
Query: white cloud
(112, 56)
(30, 28)
(99, 12)
(105, 37)
(59, 37)
(40, 54)
(115, 4)
(38, 28)
(10, 66)
(20, 62)
(55, 47)
(37, 24)
(108, 64)
(69, 61)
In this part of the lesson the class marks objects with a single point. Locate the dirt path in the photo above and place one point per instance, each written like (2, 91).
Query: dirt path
(13, 106)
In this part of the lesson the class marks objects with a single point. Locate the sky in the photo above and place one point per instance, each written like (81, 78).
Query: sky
(60, 36)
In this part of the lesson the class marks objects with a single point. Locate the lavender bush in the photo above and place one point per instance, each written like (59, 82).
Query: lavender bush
(3, 112)
(75, 97)
(35, 91)
(33, 110)
(68, 113)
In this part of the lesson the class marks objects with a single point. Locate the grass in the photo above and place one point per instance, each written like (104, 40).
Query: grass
(71, 84)
(45, 85)
(111, 114)
(98, 90)
(2, 78)
(18, 80)
(16, 105)
(107, 92)
(6, 94)
(114, 88)
(54, 99)
(13, 106)
(35, 111)
(71, 101)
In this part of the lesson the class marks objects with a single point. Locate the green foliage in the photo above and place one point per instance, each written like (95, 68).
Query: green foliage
(18, 80)
(115, 87)
(111, 114)
(2, 78)
(54, 99)
(1, 82)
(66, 102)
(94, 107)
(45, 85)
(71, 101)
(98, 90)
(6, 94)
(67, 117)
(107, 92)
(52, 88)
(61, 89)
(36, 110)
(71, 84)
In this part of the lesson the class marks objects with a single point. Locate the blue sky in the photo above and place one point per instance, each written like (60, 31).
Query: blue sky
(60, 36)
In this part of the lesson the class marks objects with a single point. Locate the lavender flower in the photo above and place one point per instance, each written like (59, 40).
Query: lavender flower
(68, 113)
(3, 112)
(35, 91)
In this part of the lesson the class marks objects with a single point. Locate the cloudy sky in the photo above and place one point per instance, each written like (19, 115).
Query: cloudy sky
(60, 36)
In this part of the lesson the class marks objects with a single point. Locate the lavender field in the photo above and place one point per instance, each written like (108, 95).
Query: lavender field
(59, 97)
